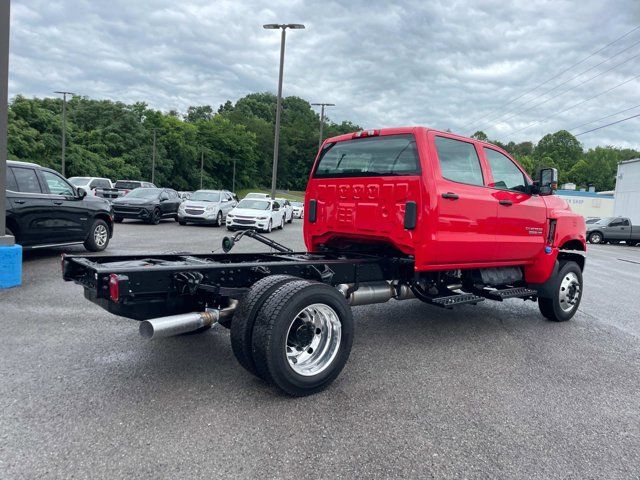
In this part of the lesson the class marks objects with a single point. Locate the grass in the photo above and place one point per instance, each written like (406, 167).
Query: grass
(292, 195)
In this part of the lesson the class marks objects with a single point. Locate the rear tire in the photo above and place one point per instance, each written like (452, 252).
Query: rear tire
(567, 288)
(302, 337)
(98, 237)
(245, 316)
(632, 243)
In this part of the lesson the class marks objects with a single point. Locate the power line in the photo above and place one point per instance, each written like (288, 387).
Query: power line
(602, 118)
(494, 121)
(554, 77)
(608, 125)
(574, 105)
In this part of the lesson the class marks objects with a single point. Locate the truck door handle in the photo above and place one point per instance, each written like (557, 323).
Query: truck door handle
(20, 201)
(450, 196)
(506, 203)
(57, 202)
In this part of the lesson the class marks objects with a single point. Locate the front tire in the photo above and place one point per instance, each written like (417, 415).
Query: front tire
(155, 217)
(269, 227)
(302, 337)
(219, 219)
(282, 224)
(596, 238)
(567, 290)
(98, 237)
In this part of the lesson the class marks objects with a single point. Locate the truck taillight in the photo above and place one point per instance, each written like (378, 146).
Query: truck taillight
(366, 133)
(114, 288)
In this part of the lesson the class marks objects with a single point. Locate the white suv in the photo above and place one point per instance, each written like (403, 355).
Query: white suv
(206, 206)
(258, 213)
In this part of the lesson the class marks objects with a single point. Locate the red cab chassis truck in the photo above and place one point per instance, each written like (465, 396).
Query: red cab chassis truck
(398, 213)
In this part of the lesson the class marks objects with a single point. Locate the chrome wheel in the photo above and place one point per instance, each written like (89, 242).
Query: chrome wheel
(595, 238)
(313, 339)
(100, 235)
(569, 293)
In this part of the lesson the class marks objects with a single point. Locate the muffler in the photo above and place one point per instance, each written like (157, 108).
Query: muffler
(375, 292)
(184, 323)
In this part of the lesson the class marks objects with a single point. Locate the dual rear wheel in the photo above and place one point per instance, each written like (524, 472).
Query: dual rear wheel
(295, 334)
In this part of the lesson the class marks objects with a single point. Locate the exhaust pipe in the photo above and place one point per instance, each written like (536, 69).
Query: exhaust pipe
(375, 292)
(184, 323)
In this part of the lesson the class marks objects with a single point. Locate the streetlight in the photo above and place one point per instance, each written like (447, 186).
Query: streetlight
(201, 166)
(153, 159)
(276, 144)
(322, 118)
(5, 240)
(64, 125)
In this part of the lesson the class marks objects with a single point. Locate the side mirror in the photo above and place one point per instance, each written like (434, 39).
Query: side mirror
(225, 200)
(276, 208)
(81, 193)
(548, 182)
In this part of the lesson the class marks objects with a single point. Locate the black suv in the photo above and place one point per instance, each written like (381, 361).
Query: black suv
(147, 204)
(44, 210)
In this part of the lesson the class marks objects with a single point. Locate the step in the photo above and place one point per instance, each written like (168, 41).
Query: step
(504, 293)
(455, 300)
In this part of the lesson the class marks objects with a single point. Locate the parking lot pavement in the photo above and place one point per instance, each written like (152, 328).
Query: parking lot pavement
(492, 391)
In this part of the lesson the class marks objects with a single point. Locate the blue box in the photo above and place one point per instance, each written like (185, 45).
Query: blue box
(10, 266)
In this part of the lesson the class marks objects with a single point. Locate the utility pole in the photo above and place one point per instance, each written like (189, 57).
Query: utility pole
(233, 187)
(322, 118)
(201, 166)
(153, 159)
(64, 127)
(5, 240)
(276, 144)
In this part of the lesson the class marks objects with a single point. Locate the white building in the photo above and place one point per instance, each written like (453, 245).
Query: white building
(627, 203)
(588, 204)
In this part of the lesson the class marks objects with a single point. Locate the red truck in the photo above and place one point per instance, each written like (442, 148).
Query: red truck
(396, 213)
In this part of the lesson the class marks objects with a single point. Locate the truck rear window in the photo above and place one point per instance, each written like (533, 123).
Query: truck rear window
(370, 157)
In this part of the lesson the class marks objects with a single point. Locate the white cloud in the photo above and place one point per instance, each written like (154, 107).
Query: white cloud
(441, 63)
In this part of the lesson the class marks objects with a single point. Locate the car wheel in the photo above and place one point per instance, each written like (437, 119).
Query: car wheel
(245, 316)
(632, 243)
(269, 227)
(219, 219)
(291, 219)
(302, 337)
(231, 229)
(282, 224)
(8, 231)
(567, 288)
(118, 219)
(155, 217)
(595, 238)
(98, 238)
(182, 222)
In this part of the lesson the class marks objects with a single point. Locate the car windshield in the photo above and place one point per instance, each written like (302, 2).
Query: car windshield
(256, 195)
(79, 180)
(254, 204)
(367, 157)
(127, 185)
(144, 193)
(297, 204)
(603, 221)
(205, 197)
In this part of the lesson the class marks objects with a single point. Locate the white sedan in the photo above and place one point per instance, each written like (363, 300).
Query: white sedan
(262, 214)
(298, 209)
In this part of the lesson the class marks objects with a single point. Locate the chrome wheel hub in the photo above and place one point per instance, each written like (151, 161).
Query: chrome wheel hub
(569, 292)
(100, 235)
(313, 339)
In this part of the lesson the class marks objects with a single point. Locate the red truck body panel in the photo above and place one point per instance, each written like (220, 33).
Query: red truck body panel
(483, 227)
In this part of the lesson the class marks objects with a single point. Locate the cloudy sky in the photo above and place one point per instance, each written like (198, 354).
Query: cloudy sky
(455, 64)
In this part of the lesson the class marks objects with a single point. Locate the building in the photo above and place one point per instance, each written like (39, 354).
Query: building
(627, 203)
(589, 204)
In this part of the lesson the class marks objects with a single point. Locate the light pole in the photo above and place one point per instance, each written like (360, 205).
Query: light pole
(276, 144)
(201, 166)
(5, 240)
(64, 126)
(153, 159)
(322, 118)
(233, 184)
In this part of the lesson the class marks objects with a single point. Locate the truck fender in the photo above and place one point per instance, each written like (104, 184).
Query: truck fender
(545, 289)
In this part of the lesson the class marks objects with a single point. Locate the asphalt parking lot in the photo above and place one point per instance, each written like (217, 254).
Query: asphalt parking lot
(492, 391)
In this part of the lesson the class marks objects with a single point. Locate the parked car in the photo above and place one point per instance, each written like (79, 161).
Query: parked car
(45, 210)
(259, 213)
(185, 195)
(288, 209)
(257, 195)
(125, 186)
(614, 230)
(97, 186)
(147, 204)
(298, 209)
(206, 206)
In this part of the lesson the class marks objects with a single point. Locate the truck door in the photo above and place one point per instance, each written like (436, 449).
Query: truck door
(69, 216)
(618, 229)
(464, 221)
(522, 217)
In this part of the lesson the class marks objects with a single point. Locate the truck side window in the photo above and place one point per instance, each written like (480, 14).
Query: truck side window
(619, 222)
(11, 181)
(27, 180)
(57, 186)
(506, 175)
(459, 161)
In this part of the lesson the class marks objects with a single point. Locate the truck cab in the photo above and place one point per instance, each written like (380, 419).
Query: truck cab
(448, 201)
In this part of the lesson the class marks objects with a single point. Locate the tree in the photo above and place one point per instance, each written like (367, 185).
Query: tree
(563, 148)
(480, 135)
